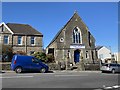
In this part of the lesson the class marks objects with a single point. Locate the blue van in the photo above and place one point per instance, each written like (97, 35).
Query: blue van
(27, 63)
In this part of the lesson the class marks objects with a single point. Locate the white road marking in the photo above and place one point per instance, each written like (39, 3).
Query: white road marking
(68, 75)
(112, 87)
(17, 77)
(106, 88)
(27, 74)
(109, 88)
(116, 86)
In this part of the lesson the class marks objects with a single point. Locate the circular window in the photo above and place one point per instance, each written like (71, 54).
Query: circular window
(61, 39)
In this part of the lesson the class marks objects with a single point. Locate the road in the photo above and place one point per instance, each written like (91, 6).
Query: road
(70, 79)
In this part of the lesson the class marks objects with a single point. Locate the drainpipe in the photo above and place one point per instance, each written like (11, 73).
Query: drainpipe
(65, 56)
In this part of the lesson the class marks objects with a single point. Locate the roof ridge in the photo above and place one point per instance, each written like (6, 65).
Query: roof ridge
(18, 23)
(23, 29)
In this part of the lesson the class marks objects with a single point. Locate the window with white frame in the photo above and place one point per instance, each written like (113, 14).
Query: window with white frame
(32, 40)
(19, 40)
(76, 35)
(6, 39)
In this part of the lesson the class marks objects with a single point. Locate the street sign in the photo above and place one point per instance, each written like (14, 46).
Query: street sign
(77, 46)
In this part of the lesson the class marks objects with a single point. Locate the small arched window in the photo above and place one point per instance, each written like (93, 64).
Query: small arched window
(76, 35)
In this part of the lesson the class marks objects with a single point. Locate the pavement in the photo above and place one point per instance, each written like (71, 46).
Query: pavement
(10, 71)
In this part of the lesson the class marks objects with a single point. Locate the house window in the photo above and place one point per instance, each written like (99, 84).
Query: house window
(0, 39)
(76, 35)
(89, 35)
(87, 55)
(32, 40)
(19, 40)
(6, 40)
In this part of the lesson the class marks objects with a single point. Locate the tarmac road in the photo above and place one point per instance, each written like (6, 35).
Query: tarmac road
(64, 79)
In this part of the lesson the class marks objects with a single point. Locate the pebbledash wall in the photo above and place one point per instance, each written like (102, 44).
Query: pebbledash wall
(73, 43)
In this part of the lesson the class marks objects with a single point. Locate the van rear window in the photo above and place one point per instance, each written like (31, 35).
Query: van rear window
(15, 57)
(113, 64)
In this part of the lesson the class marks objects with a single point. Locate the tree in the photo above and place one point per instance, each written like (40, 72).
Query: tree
(7, 53)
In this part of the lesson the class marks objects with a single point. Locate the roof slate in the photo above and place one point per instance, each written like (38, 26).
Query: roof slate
(98, 47)
(74, 15)
(23, 29)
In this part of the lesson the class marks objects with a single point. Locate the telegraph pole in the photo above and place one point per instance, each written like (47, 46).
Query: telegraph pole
(110, 52)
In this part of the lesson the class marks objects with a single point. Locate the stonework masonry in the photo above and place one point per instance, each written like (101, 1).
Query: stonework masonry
(64, 40)
(26, 40)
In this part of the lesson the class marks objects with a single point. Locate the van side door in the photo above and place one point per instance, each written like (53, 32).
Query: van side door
(35, 64)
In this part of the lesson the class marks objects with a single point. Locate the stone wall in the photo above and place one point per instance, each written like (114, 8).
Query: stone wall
(26, 39)
(54, 66)
(26, 45)
(5, 66)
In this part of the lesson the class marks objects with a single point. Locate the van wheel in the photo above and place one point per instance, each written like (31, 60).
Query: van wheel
(113, 71)
(103, 71)
(18, 70)
(43, 70)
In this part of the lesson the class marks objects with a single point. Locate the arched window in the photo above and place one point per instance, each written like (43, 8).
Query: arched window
(76, 35)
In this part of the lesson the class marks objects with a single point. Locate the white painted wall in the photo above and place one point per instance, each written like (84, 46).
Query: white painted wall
(104, 53)
(117, 57)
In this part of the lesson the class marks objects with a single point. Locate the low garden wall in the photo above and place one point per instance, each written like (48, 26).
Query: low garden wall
(5, 66)
(92, 67)
(53, 66)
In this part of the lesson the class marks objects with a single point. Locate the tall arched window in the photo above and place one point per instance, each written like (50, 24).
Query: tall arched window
(76, 35)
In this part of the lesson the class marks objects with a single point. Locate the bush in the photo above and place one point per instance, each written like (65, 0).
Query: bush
(41, 56)
(7, 53)
(50, 58)
(54, 66)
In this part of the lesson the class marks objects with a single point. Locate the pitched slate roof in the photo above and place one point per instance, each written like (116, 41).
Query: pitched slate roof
(98, 47)
(74, 15)
(23, 29)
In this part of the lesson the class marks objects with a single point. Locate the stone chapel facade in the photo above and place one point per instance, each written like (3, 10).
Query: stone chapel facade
(73, 43)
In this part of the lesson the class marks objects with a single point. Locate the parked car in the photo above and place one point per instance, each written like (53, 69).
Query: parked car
(113, 67)
(27, 63)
